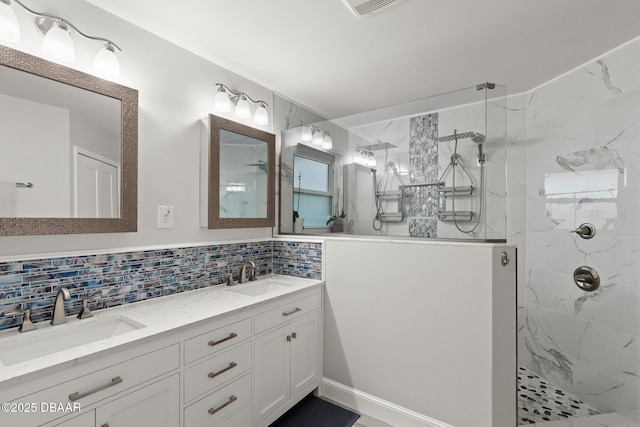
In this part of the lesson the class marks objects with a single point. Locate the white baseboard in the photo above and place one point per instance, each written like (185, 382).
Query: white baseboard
(384, 411)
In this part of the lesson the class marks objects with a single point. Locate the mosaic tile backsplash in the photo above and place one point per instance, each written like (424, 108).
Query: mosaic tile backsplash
(128, 277)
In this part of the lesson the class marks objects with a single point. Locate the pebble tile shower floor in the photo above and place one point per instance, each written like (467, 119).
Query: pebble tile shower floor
(541, 401)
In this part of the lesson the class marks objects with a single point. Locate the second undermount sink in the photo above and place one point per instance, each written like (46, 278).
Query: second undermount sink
(259, 288)
(22, 347)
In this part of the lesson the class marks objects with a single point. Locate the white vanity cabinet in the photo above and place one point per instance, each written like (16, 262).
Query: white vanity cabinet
(155, 405)
(287, 356)
(117, 392)
(218, 373)
(242, 368)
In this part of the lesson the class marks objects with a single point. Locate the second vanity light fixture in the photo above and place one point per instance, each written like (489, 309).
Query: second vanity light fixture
(57, 42)
(223, 100)
(316, 136)
(365, 157)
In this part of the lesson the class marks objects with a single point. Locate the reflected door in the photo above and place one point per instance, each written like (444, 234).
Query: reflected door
(96, 183)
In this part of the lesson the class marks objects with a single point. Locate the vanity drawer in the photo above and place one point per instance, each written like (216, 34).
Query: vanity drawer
(213, 372)
(286, 312)
(216, 340)
(97, 385)
(210, 410)
(240, 419)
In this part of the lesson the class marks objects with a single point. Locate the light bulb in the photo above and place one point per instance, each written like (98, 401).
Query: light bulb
(222, 102)
(305, 134)
(242, 108)
(327, 142)
(106, 63)
(317, 138)
(57, 42)
(260, 117)
(9, 27)
(357, 158)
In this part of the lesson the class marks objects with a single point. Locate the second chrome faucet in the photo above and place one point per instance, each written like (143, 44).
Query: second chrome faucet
(59, 314)
(243, 274)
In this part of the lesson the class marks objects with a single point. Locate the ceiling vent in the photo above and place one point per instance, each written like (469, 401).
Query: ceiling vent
(368, 7)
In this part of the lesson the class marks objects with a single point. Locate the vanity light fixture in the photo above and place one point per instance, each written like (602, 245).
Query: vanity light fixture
(306, 134)
(365, 157)
(9, 27)
(327, 142)
(106, 64)
(316, 136)
(243, 111)
(57, 42)
(261, 117)
(224, 98)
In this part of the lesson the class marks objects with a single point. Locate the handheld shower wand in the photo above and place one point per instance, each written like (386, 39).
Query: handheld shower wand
(480, 139)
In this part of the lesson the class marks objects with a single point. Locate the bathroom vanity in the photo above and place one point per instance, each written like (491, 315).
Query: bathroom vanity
(221, 356)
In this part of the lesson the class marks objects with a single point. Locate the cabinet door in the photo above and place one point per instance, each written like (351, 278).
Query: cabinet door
(156, 405)
(304, 352)
(271, 371)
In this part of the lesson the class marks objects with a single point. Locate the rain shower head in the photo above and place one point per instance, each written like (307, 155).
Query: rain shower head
(379, 146)
(475, 137)
(478, 138)
(456, 136)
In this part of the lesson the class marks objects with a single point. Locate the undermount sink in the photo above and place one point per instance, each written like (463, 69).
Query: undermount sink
(258, 288)
(47, 339)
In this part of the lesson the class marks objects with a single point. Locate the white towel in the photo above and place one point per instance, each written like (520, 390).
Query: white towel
(7, 199)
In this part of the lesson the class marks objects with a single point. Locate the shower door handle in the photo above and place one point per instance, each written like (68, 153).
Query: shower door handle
(586, 278)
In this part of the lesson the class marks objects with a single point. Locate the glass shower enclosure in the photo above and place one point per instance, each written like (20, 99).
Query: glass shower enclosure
(430, 168)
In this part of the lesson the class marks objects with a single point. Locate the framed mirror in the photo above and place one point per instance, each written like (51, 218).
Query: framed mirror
(70, 150)
(240, 176)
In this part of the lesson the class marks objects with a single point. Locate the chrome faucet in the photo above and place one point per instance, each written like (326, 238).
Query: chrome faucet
(59, 315)
(243, 272)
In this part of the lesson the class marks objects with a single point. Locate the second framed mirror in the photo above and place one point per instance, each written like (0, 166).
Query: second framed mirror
(237, 188)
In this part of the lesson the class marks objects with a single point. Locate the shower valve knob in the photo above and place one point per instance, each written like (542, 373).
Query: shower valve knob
(586, 231)
(586, 278)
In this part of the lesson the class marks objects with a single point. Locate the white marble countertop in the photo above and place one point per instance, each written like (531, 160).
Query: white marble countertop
(158, 315)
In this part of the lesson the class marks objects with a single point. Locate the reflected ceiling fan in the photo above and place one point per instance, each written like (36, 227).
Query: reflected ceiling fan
(262, 165)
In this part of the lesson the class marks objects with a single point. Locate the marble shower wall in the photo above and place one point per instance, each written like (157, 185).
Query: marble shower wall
(583, 165)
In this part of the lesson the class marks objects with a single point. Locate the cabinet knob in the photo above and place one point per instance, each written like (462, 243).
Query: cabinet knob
(105, 425)
(289, 338)
(294, 335)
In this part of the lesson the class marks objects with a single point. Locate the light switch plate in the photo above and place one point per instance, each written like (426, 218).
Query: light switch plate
(165, 216)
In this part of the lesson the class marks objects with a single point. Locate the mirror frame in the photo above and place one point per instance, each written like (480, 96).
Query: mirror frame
(128, 221)
(213, 195)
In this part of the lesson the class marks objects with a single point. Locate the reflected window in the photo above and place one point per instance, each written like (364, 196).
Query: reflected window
(582, 196)
(313, 185)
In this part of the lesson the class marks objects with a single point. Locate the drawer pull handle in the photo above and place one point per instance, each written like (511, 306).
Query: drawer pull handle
(231, 336)
(77, 396)
(289, 313)
(215, 374)
(224, 405)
